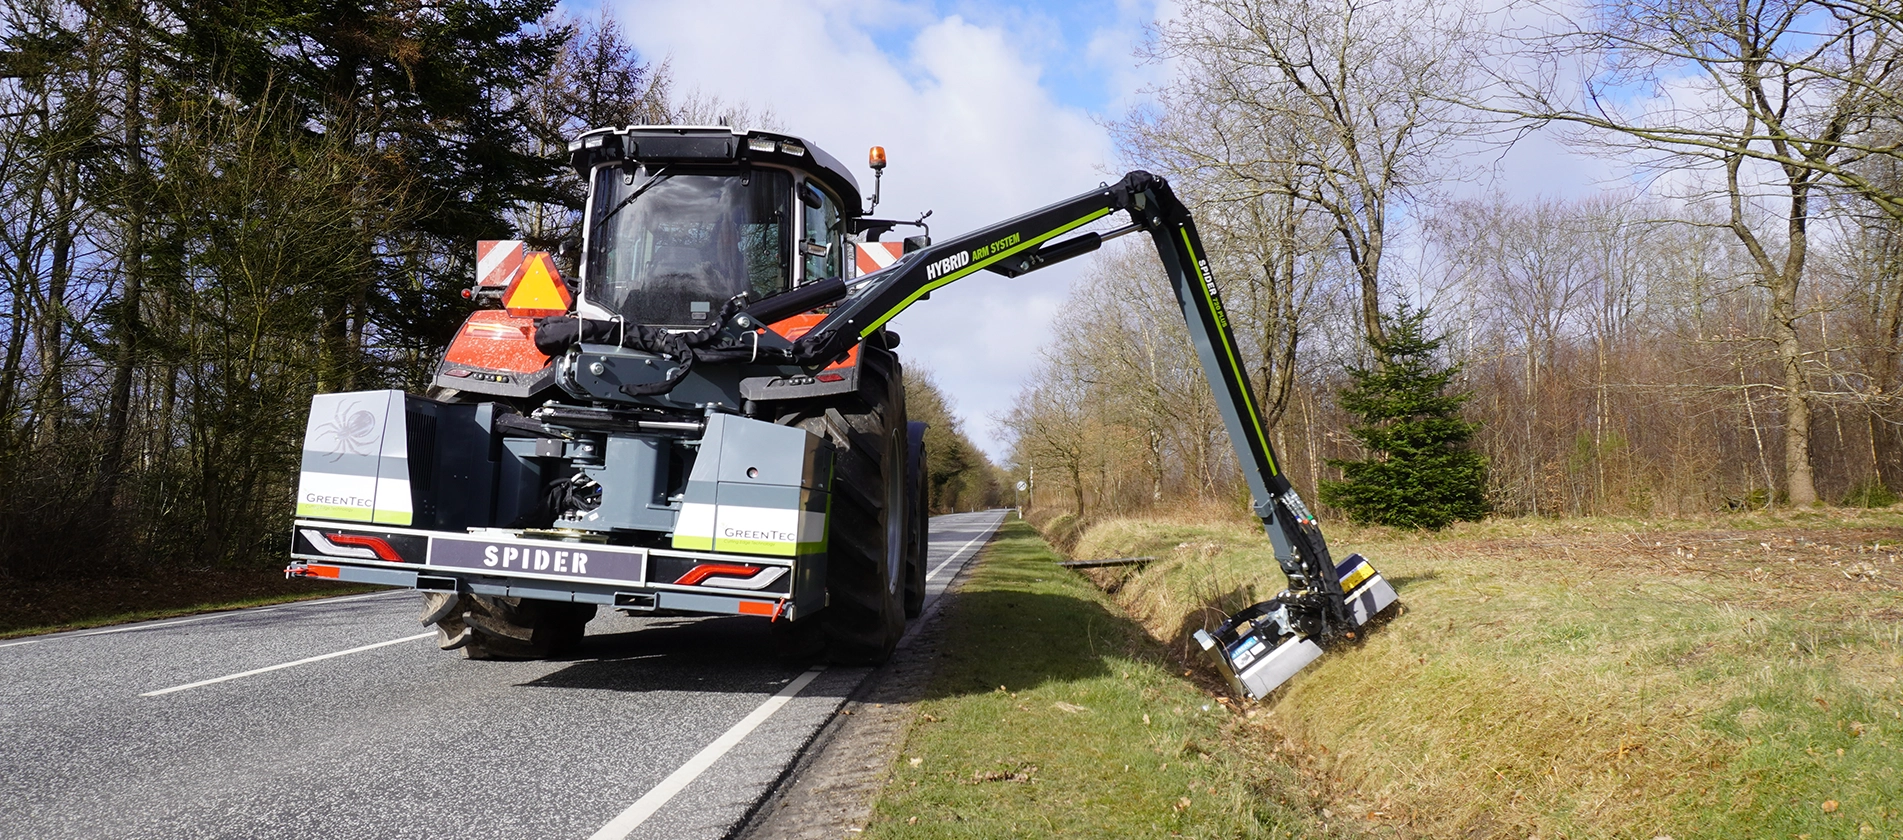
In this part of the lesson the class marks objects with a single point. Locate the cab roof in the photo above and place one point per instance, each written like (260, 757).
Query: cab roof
(714, 145)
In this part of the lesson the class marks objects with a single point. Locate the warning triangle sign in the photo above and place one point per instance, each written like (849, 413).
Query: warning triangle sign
(538, 291)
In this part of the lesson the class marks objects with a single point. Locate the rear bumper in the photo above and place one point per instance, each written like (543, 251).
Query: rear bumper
(507, 563)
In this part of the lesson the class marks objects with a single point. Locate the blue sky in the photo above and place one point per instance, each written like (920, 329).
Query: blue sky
(1077, 43)
(1086, 50)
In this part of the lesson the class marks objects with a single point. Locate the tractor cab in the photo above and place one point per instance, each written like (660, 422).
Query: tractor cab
(681, 219)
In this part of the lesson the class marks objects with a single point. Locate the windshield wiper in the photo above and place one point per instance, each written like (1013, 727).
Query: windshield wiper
(659, 176)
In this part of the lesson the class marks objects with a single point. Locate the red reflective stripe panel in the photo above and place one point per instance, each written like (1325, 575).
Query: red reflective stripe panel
(707, 570)
(757, 608)
(376, 544)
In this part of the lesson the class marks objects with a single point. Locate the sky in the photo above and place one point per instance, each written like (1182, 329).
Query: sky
(986, 110)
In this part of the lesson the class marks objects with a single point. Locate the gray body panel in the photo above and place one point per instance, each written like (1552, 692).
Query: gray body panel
(753, 496)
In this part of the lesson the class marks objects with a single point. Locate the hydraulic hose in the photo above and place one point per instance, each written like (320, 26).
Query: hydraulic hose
(786, 304)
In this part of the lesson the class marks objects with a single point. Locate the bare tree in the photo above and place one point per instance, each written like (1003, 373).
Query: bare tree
(1049, 427)
(1525, 274)
(1252, 222)
(598, 81)
(1343, 105)
(1758, 93)
(1138, 359)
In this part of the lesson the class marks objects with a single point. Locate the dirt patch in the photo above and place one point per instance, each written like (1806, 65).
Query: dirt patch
(53, 604)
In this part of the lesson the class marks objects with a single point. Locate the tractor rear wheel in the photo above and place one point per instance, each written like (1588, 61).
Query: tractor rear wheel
(866, 614)
(866, 531)
(492, 627)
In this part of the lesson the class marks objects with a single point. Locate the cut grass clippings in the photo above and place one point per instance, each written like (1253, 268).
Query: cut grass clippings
(1725, 677)
(1053, 715)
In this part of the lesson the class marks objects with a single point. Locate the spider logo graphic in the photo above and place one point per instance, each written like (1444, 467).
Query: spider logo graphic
(353, 429)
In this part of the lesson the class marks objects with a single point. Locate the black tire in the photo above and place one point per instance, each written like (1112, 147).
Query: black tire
(866, 532)
(489, 627)
(918, 519)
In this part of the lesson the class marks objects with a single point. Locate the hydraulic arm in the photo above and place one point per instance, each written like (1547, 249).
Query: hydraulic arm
(1259, 647)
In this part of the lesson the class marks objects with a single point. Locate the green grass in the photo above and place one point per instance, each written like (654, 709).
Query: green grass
(1052, 715)
(1719, 677)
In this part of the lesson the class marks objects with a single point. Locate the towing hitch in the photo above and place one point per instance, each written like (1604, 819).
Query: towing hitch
(1261, 647)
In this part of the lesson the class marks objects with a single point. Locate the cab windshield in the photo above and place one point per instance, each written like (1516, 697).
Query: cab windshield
(669, 246)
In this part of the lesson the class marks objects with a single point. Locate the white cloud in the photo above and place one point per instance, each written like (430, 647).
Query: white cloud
(972, 134)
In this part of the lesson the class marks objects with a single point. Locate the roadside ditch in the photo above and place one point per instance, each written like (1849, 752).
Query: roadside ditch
(1034, 706)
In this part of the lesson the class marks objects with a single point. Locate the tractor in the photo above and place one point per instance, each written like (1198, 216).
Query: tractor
(709, 417)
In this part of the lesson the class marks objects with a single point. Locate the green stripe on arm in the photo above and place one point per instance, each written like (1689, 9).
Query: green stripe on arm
(979, 266)
(1229, 347)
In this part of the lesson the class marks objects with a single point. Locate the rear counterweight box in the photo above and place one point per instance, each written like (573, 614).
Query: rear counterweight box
(392, 458)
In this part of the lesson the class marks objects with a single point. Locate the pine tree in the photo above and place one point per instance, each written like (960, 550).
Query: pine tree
(435, 98)
(1419, 472)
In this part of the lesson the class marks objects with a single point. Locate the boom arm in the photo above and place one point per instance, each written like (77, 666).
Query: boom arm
(1318, 606)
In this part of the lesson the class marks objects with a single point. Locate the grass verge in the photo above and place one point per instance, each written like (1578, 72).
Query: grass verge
(1053, 715)
(1720, 677)
(51, 606)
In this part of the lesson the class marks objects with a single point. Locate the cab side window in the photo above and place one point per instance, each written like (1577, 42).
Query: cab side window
(819, 240)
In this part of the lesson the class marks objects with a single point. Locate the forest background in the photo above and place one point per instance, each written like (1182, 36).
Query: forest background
(212, 211)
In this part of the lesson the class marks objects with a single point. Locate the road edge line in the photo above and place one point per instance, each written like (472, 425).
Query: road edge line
(985, 537)
(146, 625)
(282, 665)
(634, 815)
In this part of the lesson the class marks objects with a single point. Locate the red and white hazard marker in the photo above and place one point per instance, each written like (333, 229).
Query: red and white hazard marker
(498, 261)
(874, 256)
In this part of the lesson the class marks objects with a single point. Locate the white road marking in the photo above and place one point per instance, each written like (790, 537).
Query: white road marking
(224, 614)
(627, 821)
(321, 601)
(171, 623)
(281, 666)
(948, 561)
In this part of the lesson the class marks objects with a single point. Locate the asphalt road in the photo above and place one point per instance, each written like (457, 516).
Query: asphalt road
(340, 719)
